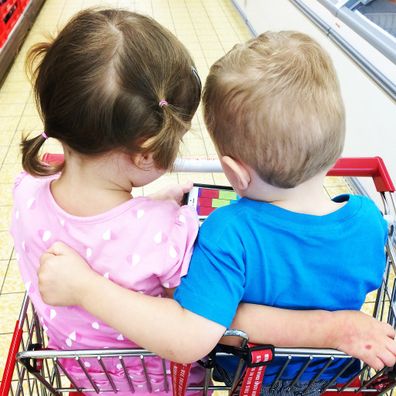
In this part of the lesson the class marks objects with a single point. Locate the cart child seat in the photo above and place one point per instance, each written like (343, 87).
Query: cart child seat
(34, 370)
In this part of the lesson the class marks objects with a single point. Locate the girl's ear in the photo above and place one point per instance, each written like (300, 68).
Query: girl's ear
(143, 161)
(237, 173)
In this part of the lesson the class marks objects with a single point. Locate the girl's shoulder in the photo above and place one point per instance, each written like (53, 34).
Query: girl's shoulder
(165, 211)
(25, 183)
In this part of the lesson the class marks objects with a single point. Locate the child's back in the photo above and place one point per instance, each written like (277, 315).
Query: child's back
(108, 92)
(274, 110)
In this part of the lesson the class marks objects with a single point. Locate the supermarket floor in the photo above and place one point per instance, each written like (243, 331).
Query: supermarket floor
(208, 28)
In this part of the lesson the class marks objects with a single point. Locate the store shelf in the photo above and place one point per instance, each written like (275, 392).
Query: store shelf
(19, 16)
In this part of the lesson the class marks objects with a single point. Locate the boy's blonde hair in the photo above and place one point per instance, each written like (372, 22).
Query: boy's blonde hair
(274, 103)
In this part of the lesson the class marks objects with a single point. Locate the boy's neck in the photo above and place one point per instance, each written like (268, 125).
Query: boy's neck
(308, 197)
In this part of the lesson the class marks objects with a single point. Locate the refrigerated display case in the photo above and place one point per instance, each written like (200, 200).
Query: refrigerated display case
(16, 18)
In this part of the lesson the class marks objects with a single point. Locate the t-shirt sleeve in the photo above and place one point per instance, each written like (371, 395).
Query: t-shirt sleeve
(180, 245)
(214, 284)
(18, 180)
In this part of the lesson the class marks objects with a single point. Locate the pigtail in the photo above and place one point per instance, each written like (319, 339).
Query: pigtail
(165, 145)
(31, 161)
(30, 147)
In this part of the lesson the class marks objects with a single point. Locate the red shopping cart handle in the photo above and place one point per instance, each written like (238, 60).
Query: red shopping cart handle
(5, 384)
(359, 167)
(52, 159)
(365, 167)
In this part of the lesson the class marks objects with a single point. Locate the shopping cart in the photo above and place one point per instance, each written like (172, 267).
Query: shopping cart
(34, 370)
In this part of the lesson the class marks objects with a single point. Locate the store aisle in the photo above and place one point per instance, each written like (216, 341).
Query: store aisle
(208, 28)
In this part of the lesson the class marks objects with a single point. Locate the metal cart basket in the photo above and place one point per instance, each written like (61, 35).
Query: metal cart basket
(32, 369)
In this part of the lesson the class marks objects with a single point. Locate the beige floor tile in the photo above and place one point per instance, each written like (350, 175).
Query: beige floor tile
(11, 109)
(13, 282)
(5, 217)
(334, 181)
(338, 190)
(30, 110)
(193, 147)
(8, 127)
(14, 97)
(3, 271)
(3, 152)
(30, 124)
(8, 172)
(209, 28)
(5, 340)
(13, 155)
(203, 178)
(10, 305)
(5, 245)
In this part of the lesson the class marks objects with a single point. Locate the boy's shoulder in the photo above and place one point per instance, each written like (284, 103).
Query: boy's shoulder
(363, 203)
(226, 217)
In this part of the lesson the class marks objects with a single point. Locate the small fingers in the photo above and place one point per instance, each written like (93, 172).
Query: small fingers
(388, 358)
(391, 346)
(389, 330)
(187, 186)
(45, 257)
(57, 248)
(376, 363)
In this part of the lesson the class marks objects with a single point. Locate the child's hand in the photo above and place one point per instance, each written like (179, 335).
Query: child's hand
(174, 192)
(63, 276)
(366, 338)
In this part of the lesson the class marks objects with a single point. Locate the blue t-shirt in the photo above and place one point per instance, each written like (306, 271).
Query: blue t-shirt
(259, 253)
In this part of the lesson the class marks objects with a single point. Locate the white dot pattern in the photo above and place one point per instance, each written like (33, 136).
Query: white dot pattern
(52, 313)
(95, 325)
(106, 235)
(142, 249)
(158, 237)
(172, 252)
(30, 203)
(135, 260)
(46, 235)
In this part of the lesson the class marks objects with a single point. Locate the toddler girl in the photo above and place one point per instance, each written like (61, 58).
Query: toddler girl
(118, 91)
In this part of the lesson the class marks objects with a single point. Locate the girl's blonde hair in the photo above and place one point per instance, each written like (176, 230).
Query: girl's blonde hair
(99, 85)
(274, 103)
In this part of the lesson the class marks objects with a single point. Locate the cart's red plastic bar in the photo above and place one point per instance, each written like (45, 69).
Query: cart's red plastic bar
(365, 166)
(11, 360)
(361, 166)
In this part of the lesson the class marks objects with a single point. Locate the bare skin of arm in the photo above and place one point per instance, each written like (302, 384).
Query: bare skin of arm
(182, 336)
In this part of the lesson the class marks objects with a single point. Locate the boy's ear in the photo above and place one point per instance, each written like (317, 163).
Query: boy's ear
(236, 172)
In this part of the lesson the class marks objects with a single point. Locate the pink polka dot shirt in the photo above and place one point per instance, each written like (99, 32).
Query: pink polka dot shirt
(143, 244)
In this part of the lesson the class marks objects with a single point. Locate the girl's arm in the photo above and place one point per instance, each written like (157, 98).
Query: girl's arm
(174, 192)
(353, 332)
(164, 327)
(160, 325)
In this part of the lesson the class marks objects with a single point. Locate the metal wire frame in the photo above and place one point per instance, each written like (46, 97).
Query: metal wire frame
(42, 372)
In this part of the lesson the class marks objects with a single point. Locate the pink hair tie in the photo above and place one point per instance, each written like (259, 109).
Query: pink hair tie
(163, 103)
(44, 135)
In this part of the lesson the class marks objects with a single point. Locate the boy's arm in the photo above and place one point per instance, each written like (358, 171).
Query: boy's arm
(164, 327)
